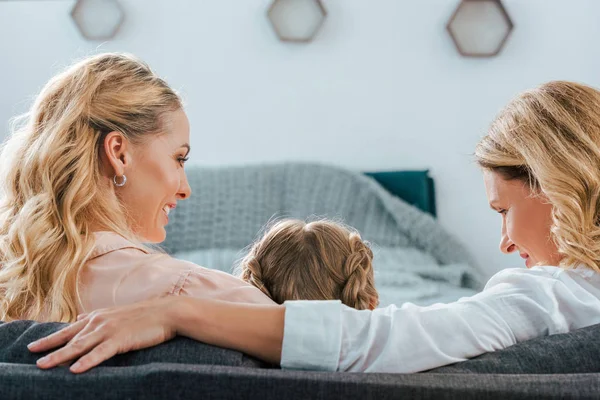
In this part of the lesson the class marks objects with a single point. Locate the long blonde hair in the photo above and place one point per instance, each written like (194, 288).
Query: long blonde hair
(52, 194)
(321, 260)
(549, 137)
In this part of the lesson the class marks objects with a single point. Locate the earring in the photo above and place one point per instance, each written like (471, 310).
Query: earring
(120, 183)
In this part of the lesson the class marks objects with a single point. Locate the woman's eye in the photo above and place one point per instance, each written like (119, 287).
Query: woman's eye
(503, 211)
(182, 160)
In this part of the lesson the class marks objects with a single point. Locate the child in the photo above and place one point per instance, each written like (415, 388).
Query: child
(320, 260)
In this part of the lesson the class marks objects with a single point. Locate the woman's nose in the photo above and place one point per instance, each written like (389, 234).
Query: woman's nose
(185, 191)
(506, 245)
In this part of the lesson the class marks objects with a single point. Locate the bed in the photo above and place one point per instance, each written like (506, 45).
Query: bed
(415, 259)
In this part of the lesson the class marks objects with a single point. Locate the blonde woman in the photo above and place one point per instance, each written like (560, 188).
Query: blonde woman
(94, 170)
(541, 167)
(320, 260)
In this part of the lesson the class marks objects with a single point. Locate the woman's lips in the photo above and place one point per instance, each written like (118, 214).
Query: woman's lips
(167, 209)
(525, 256)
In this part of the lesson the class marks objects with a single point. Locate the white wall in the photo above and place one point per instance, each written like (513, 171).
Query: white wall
(382, 87)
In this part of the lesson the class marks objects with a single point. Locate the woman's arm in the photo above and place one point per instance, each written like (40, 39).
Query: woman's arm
(516, 305)
(254, 329)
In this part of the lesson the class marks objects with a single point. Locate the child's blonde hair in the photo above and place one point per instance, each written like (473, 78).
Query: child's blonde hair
(320, 260)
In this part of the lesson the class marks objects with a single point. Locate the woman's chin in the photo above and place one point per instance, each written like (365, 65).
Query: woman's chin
(160, 236)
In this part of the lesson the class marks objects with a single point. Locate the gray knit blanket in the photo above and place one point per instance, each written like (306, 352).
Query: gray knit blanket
(230, 205)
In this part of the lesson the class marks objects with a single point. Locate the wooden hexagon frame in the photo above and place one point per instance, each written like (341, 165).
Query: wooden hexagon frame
(498, 46)
(281, 3)
(78, 8)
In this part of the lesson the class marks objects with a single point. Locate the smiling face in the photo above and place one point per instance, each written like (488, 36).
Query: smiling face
(156, 179)
(526, 220)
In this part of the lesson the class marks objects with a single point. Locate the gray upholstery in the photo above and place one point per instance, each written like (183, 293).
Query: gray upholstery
(559, 366)
(176, 381)
(570, 353)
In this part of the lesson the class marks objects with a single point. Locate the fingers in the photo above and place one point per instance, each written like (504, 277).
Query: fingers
(81, 344)
(101, 334)
(100, 353)
(57, 338)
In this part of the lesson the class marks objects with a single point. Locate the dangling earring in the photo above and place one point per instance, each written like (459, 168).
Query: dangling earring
(120, 183)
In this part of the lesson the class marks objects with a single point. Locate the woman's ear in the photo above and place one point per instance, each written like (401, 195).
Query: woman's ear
(116, 150)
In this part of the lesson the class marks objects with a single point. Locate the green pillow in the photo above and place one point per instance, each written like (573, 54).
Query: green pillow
(414, 187)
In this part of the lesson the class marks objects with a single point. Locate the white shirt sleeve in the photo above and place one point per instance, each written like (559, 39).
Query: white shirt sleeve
(516, 305)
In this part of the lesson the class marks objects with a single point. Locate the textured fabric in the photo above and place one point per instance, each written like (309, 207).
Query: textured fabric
(15, 336)
(231, 204)
(574, 352)
(176, 381)
(516, 305)
(405, 274)
(298, 350)
(120, 272)
(566, 353)
(176, 378)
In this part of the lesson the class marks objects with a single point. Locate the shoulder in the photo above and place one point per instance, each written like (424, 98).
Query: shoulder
(162, 274)
(563, 294)
(132, 273)
(203, 282)
(111, 248)
(119, 272)
(542, 275)
(522, 276)
(108, 242)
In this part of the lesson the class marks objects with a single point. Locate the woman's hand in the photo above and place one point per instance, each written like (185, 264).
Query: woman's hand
(100, 335)
(255, 329)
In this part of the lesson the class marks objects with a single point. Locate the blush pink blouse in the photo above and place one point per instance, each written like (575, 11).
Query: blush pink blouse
(120, 272)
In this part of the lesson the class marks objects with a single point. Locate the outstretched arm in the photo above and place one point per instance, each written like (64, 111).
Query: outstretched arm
(254, 329)
(516, 305)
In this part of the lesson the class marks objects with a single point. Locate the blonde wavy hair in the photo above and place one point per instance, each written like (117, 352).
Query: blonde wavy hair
(549, 138)
(53, 194)
(320, 260)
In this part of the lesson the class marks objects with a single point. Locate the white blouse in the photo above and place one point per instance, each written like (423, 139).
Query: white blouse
(515, 305)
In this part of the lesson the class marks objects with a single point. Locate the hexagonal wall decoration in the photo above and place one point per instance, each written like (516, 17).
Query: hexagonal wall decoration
(480, 28)
(97, 19)
(296, 20)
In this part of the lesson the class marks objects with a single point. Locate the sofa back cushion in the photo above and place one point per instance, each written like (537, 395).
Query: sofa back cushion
(15, 336)
(567, 353)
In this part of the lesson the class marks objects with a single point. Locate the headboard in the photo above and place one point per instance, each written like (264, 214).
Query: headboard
(414, 187)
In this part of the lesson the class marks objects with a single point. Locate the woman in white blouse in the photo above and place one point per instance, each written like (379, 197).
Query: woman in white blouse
(541, 166)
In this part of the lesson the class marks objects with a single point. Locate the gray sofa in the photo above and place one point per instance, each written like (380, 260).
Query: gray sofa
(554, 367)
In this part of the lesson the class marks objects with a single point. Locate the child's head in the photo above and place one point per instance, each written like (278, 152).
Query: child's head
(320, 260)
